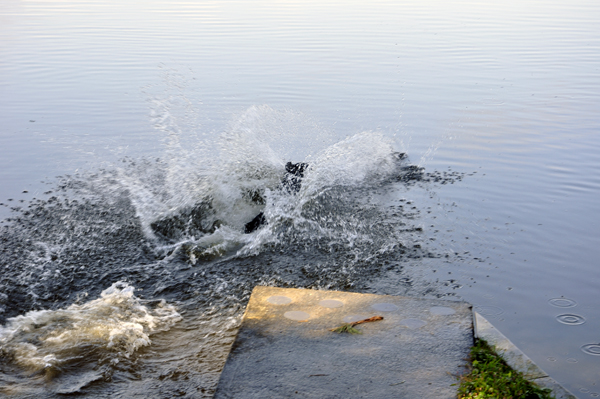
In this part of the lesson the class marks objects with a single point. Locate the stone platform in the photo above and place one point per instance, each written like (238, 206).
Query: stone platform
(285, 348)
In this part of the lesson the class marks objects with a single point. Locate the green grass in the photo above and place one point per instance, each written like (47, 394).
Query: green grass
(490, 377)
(346, 328)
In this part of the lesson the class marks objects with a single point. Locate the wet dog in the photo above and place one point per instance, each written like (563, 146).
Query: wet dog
(291, 182)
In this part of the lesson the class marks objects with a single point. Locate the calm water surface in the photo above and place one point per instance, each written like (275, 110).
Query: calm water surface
(149, 108)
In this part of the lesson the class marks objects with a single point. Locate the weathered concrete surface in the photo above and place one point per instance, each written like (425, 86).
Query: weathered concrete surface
(415, 352)
(517, 359)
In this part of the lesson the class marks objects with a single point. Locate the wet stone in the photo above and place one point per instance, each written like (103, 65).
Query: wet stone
(411, 353)
(385, 307)
(412, 323)
(442, 310)
(331, 303)
(279, 300)
(297, 315)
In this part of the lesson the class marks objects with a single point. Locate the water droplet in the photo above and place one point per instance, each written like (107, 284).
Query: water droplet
(413, 324)
(279, 300)
(489, 310)
(594, 394)
(584, 390)
(551, 359)
(331, 303)
(571, 360)
(297, 315)
(385, 307)
(441, 310)
(562, 302)
(570, 319)
(591, 349)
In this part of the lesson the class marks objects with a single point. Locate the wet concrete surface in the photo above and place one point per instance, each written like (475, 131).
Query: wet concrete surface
(285, 347)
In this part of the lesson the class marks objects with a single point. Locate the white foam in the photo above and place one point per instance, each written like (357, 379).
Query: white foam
(116, 322)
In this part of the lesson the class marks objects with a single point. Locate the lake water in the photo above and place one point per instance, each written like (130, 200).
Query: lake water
(169, 124)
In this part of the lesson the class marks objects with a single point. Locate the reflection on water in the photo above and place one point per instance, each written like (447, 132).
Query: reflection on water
(154, 115)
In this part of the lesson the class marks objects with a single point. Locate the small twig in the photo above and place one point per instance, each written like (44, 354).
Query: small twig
(349, 327)
(370, 319)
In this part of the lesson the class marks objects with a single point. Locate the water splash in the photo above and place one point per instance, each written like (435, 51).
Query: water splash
(199, 205)
(332, 207)
(111, 327)
(174, 226)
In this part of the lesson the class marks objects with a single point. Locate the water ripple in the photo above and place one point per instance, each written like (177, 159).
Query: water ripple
(562, 302)
(570, 319)
(591, 349)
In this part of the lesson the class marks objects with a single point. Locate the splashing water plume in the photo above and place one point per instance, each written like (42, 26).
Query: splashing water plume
(113, 326)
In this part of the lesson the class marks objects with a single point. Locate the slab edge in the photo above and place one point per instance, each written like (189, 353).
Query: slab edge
(516, 358)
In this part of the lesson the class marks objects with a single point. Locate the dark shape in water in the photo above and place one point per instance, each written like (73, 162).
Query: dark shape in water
(198, 220)
(292, 181)
(255, 223)
(294, 172)
(411, 172)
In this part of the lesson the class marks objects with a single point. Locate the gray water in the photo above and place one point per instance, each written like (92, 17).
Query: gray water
(147, 109)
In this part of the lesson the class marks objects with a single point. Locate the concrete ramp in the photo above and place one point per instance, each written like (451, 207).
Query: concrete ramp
(285, 349)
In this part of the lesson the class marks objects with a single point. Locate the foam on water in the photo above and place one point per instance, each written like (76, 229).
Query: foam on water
(114, 326)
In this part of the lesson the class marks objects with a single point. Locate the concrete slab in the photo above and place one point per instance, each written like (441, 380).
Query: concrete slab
(285, 349)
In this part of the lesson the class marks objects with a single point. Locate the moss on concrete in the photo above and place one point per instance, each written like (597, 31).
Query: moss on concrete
(490, 377)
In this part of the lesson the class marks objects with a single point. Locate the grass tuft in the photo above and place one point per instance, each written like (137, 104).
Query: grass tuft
(349, 327)
(490, 377)
(346, 328)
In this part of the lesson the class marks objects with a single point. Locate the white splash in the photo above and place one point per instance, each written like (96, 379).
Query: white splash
(116, 322)
(364, 157)
(237, 174)
(358, 161)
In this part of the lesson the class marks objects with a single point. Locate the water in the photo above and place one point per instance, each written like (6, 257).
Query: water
(170, 125)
